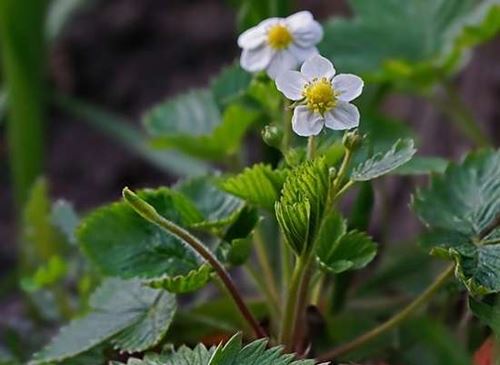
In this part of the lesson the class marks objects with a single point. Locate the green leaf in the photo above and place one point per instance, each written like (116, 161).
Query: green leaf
(411, 43)
(487, 313)
(420, 165)
(192, 123)
(65, 218)
(230, 85)
(259, 185)
(234, 353)
(217, 207)
(126, 314)
(121, 243)
(458, 207)
(302, 203)
(41, 240)
(200, 355)
(46, 275)
(237, 244)
(382, 163)
(338, 250)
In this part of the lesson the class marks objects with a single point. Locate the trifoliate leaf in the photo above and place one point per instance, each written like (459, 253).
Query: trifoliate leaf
(339, 250)
(230, 85)
(121, 243)
(217, 207)
(382, 163)
(234, 353)
(192, 123)
(487, 313)
(413, 43)
(123, 313)
(302, 203)
(462, 208)
(259, 185)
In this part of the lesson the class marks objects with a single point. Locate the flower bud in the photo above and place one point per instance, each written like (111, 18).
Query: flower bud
(352, 140)
(272, 136)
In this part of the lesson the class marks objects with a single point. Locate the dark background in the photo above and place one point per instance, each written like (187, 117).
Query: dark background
(126, 55)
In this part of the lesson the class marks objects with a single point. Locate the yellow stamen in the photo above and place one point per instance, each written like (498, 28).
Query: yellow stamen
(320, 96)
(279, 37)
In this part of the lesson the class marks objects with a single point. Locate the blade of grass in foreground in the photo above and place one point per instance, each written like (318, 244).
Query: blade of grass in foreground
(22, 48)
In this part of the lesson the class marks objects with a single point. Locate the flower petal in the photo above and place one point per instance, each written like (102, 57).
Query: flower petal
(318, 66)
(343, 116)
(256, 59)
(305, 30)
(291, 84)
(348, 87)
(281, 62)
(253, 37)
(306, 123)
(301, 53)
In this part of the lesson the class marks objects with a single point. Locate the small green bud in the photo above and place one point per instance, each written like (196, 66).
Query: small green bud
(272, 136)
(352, 140)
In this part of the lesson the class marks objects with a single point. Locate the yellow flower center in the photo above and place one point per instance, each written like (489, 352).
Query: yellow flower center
(320, 96)
(279, 37)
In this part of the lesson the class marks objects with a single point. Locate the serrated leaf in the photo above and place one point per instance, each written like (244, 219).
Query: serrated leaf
(121, 243)
(193, 124)
(259, 185)
(382, 163)
(302, 203)
(412, 44)
(217, 207)
(487, 313)
(200, 355)
(126, 314)
(230, 85)
(458, 207)
(339, 250)
(234, 353)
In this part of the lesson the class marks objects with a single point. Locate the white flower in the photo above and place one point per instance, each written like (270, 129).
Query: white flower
(280, 44)
(323, 98)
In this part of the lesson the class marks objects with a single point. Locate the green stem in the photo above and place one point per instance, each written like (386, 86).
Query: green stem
(343, 169)
(300, 324)
(394, 321)
(22, 49)
(272, 302)
(287, 126)
(317, 291)
(149, 213)
(311, 147)
(286, 264)
(289, 318)
(265, 265)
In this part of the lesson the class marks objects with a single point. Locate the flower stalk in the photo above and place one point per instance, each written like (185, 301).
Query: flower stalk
(149, 213)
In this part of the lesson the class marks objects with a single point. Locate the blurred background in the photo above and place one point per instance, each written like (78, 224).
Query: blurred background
(124, 56)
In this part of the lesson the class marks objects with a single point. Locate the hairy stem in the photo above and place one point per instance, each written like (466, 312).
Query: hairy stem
(393, 321)
(149, 213)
